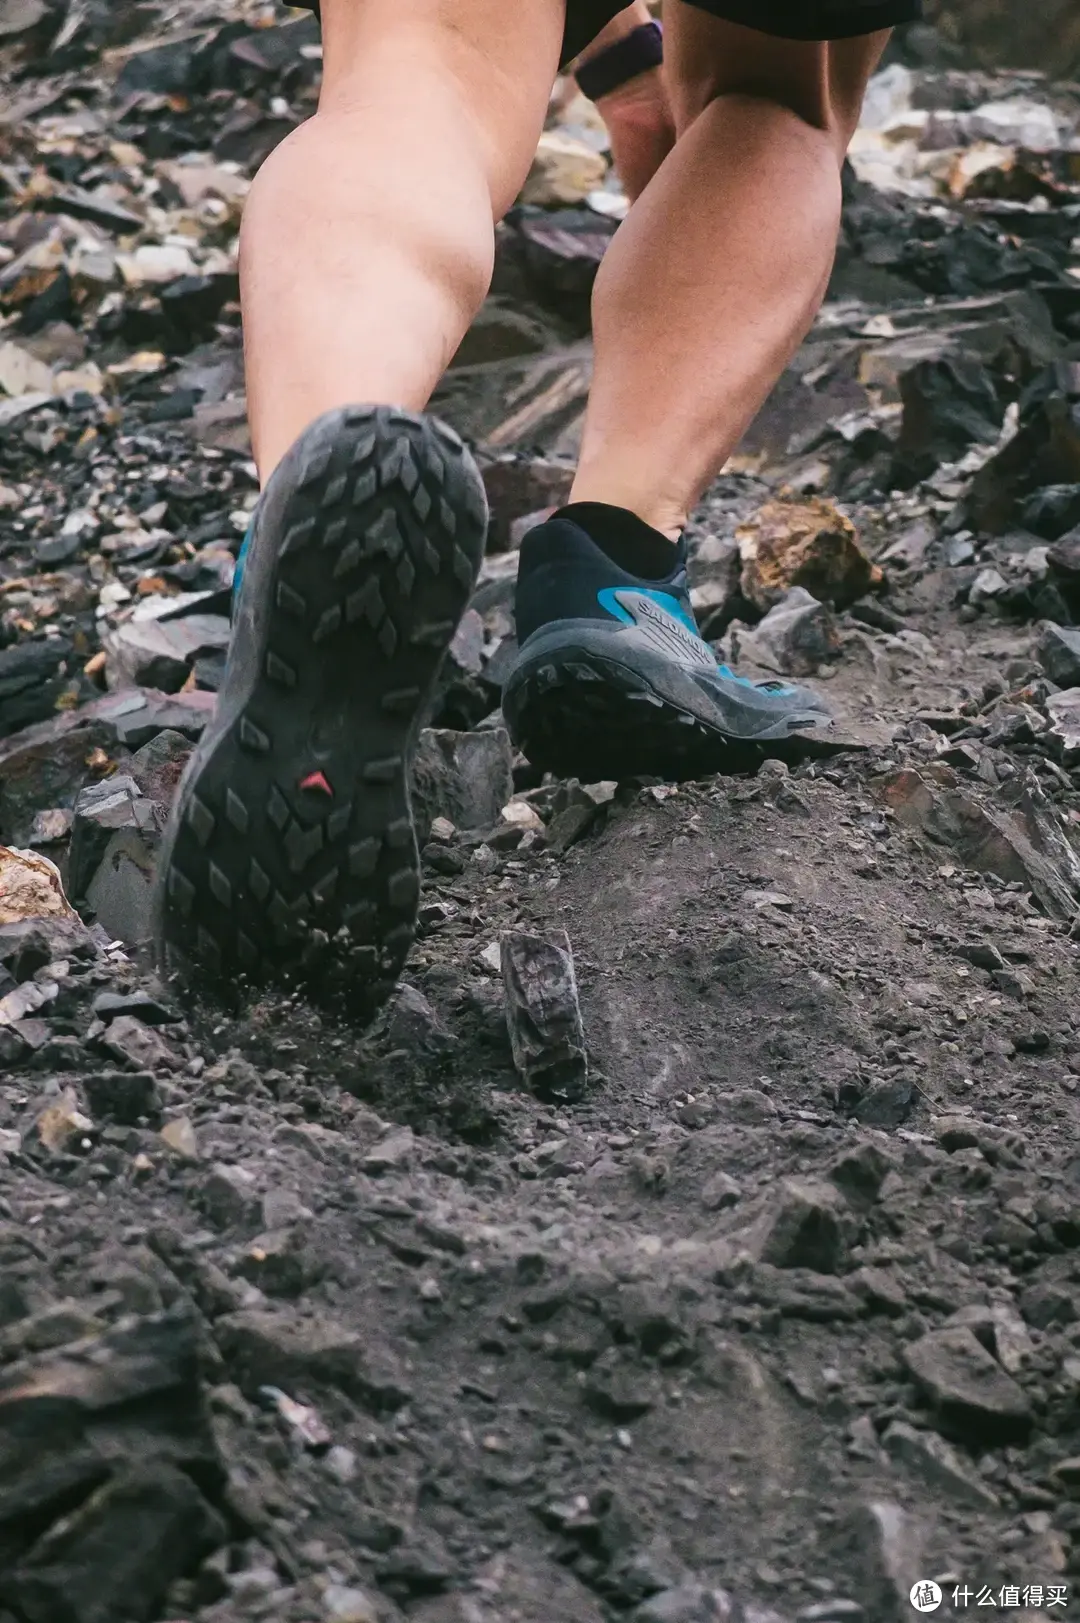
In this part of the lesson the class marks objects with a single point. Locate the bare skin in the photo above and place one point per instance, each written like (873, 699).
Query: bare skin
(721, 266)
(638, 114)
(368, 240)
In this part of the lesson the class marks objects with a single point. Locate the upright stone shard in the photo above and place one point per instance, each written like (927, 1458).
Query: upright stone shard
(466, 777)
(543, 1014)
(114, 839)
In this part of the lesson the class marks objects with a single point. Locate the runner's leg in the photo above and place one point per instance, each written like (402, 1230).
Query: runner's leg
(636, 113)
(368, 240)
(291, 853)
(713, 280)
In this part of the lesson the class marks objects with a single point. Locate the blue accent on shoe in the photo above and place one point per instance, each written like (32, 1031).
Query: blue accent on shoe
(241, 559)
(608, 599)
(778, 688)
(596, 641)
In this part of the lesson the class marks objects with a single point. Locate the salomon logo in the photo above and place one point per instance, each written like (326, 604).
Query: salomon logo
(667, 632)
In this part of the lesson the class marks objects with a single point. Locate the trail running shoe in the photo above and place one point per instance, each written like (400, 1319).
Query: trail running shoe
(612, 677)
(291, 854)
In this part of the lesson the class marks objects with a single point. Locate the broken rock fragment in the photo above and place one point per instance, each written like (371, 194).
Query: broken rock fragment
(938, 1464)
(149, 1011)
(30, 888)
(125, 1097)
(575, 810)
(1023, 842)
(561, 249)
(1059, 654)
(62, 1127)
(692, 1602)
(969, 1391)
(160, 653)
(1064, 734)
(179, 1136)
(950, 403)
(543, 1015)
(808, 1225)
(886, 1102)
(809, 544)
(715, 593)
(18, 16)
(796, 636)
(114, 837)
(885, 1559)
(118, 1554)
(564, 171)
(230, 1197)
(1052, 512)
(1044, 451)
(348, 1605)
(159, 765)
(108, 1467)
(45, 766)
(135, 1043)
(29, 945)
(271, 1349)
(519, 485)
(860, 1173)
(466, 777)
(34, 676)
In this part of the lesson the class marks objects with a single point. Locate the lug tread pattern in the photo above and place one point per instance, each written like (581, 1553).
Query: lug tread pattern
(219, 884)
(253, 738)
(279, 671)
(236, 812)
(290, 601)
(380, 534)
(181, 893)
(200, 819)
(400, 701)
(349, 559)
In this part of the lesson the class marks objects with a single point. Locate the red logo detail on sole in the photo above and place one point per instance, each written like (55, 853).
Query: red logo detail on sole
(317, 780)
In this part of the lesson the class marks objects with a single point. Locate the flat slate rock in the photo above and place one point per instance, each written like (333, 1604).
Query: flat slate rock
(968, 1389)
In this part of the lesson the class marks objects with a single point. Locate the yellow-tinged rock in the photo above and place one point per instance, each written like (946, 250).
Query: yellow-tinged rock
(520, 814)
(962, 168)
(88, 378)
(564, 171)
(22, 373)
(806, 543)
(126, 154)
(142, 363)
(31, 888)
(179, 1135)
(196, 181)
(62, 1127)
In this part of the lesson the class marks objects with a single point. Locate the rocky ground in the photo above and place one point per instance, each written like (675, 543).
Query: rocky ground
(697, 1236)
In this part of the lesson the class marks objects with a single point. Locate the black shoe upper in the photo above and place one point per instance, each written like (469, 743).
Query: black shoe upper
(565, 575)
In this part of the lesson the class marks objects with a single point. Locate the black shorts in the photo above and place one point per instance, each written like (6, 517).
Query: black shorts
(787, 19)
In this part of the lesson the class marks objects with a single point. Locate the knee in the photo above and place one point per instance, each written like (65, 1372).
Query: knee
(820, 84)
(806, 102)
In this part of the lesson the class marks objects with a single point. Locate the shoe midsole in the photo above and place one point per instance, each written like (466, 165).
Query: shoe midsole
(725, 706)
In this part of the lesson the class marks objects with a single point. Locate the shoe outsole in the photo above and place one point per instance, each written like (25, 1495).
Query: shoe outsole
(577, 713)
(291, 854)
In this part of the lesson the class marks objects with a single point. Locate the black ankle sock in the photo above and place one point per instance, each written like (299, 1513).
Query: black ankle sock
(628, 541)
